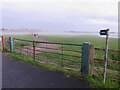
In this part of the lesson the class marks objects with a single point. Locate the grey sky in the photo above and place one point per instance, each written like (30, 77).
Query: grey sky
(62, 15)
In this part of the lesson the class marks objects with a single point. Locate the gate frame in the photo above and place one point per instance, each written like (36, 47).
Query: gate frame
(87, 65)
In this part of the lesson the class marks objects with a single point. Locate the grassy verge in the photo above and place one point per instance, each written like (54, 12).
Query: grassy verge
(112, 79)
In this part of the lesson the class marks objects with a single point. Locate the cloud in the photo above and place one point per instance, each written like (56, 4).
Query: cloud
(91, 7)
(61, 13)
(101, 21)
(60, 1)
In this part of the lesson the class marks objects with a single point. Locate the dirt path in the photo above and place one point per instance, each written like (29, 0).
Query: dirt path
(40, 39)
(40, 47)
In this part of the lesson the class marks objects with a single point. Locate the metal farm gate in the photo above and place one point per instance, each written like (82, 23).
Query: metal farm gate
(58, 54)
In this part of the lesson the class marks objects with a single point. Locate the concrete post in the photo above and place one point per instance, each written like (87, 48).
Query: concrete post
(87, 67)
(85, 59)
(11, 44)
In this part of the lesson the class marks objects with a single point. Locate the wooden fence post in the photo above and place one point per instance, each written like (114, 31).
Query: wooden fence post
(91, 60)
(33, 50)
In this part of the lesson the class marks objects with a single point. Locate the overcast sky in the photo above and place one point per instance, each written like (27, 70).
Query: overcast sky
(60, 15)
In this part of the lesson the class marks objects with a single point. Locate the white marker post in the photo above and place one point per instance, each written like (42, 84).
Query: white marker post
(105, 32)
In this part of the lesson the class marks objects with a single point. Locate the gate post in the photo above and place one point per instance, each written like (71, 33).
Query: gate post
(3, 43)
(91, 60)
(33, 50)
(7, 44)
(11, 44)
(87, 66)
(85, 58)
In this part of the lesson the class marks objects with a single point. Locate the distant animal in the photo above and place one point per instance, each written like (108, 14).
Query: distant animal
(36, 35)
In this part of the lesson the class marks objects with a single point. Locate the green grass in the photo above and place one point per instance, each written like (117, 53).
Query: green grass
(109, 65)
(28, 37)
(61, 60)
(97, 41)
(19, 43)
(112, 79)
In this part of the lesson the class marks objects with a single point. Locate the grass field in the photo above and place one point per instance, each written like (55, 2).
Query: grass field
(28, 37)
(95, 80)
(97, 41)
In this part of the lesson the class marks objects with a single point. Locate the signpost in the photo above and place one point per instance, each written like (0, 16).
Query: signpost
(105, 32)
